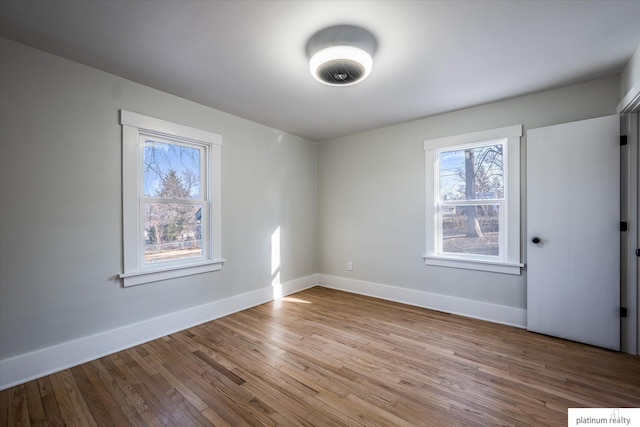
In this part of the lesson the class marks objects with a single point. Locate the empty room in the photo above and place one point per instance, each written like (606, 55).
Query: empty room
(319, 213)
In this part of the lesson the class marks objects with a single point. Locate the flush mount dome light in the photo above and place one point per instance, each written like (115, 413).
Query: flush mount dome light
(341, 55)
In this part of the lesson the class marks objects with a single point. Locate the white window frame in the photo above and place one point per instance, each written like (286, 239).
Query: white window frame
(135, 127)
(508, 261)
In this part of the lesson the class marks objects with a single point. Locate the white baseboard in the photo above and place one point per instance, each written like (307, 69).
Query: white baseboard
(26, 367)
(300, 284)
(464, 307)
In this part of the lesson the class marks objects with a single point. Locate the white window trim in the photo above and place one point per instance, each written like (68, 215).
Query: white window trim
(510, 264)
(135, 272)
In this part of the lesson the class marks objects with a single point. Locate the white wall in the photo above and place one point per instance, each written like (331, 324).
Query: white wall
(61, 210)
(630, 76)
(371, 204)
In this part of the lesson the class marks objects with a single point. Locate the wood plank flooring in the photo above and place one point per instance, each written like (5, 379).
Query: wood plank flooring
(328, 358)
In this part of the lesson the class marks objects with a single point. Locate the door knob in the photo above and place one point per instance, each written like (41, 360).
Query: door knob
(536, 240)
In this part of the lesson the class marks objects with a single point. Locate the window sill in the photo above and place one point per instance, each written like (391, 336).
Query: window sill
(490, 266)
(147, 276)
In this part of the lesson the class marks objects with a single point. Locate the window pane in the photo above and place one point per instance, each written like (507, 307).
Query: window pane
(471, 230)
(171, 170)
(472, 174)
(172, 231)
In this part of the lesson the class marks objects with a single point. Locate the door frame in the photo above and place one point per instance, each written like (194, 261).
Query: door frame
(629, 110)
(629, 266)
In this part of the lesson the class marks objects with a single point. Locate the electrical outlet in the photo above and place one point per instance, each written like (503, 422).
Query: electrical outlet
(349, 266)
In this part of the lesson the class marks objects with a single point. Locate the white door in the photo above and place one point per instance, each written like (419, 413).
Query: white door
(573, 228)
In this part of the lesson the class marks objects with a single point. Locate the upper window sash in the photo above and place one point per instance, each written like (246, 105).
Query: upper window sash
(204, 165)
(439, 152)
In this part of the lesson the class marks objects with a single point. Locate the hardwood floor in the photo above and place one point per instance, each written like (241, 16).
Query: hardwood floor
(328, 358)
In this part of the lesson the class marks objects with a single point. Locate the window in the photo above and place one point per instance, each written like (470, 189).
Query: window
(473, 200)
(171, 199)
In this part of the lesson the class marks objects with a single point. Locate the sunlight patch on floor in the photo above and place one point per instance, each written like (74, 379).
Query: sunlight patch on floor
(292, 299)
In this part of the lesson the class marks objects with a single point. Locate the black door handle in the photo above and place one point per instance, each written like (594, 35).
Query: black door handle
(536, 240)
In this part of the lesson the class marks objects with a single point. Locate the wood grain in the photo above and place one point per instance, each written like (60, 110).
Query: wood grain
(329, 358)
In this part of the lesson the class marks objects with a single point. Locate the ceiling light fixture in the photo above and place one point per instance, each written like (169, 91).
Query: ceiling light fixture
(341, 55)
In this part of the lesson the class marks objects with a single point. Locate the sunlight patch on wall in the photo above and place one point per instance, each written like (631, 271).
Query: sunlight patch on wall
(275, 264)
